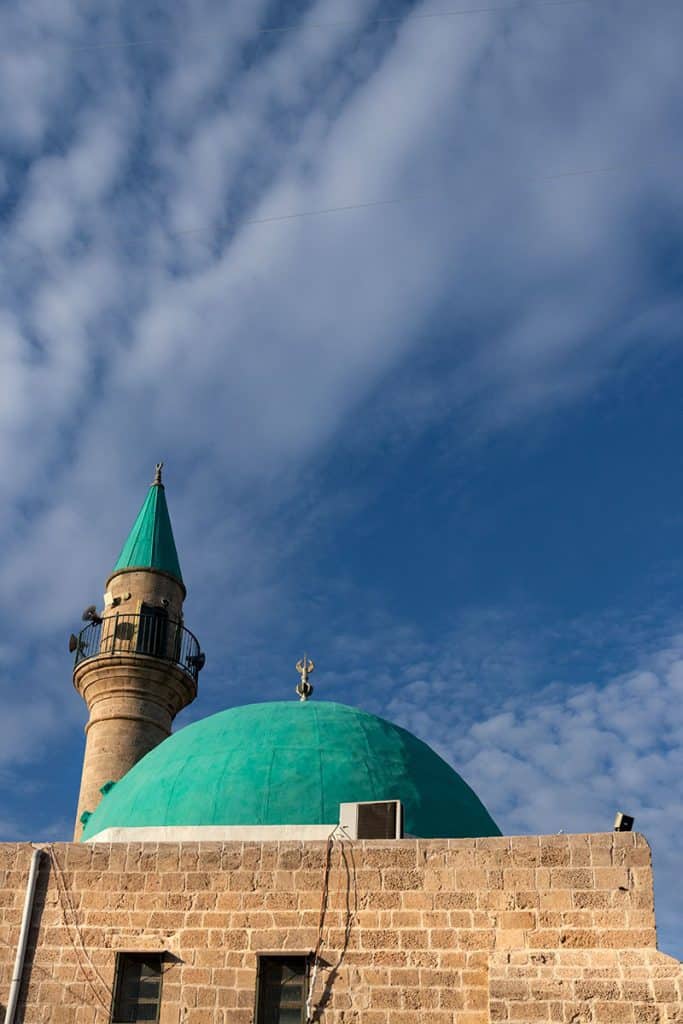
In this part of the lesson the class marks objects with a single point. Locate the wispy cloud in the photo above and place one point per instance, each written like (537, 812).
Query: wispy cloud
(269, 336)
(143, 313)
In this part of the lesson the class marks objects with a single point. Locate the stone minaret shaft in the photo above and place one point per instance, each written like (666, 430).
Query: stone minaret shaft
(134, 668)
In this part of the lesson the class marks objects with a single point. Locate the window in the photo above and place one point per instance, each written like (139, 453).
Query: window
(137, 990)
(282, 983)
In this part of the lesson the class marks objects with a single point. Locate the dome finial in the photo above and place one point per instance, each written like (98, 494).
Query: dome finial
(156, 482)
(304, 667)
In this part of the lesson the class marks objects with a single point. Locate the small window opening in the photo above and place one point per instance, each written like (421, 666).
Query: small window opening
(282, 988)
(137, 990)
(152, 630)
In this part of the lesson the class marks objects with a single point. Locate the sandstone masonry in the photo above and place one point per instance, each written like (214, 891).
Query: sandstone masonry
(550, 928)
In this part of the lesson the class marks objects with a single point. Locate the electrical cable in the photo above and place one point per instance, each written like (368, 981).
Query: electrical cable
(347, 207)
(321, 921)
(312, 1013)
(382, 202)
(62, 890)
(401, 199)
(281, 29)
(63, 896)
(46, 973)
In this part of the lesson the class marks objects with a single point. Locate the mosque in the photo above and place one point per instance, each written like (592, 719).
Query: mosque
(298, 861)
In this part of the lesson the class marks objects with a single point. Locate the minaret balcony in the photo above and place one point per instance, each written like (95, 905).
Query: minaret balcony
(155, 636)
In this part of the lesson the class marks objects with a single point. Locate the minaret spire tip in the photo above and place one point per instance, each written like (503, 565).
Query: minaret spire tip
(156, 482)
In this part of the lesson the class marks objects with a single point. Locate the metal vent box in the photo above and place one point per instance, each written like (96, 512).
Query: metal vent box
(372, 819)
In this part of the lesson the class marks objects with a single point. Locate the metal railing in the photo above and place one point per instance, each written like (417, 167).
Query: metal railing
(150, 634)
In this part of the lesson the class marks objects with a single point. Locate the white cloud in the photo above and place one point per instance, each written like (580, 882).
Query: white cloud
(567, 758)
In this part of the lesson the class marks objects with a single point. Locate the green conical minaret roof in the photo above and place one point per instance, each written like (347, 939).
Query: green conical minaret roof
(150, 543)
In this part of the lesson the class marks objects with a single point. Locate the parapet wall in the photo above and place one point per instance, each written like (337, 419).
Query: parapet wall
(556, 928)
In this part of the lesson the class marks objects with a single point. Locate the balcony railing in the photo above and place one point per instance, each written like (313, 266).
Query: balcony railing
(154, 635)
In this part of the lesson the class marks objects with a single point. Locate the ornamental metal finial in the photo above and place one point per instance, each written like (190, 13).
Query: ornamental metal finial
(304, 667)
(156, 482)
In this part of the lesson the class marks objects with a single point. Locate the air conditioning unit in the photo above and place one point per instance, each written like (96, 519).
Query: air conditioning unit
(372, 820)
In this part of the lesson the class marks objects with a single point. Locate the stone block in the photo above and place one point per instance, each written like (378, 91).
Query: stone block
(613, 1012)
(572, 878)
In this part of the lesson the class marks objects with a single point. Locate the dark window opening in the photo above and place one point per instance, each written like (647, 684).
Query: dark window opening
(137, 989)
(152, 629)
(282, 987)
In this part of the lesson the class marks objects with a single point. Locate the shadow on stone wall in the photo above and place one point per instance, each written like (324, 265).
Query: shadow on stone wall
(350, 911)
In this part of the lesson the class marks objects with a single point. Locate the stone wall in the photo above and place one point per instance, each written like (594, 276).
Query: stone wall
(556, 928)
(609, 986)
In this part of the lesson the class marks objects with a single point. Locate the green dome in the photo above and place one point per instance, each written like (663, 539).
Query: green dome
(291, 763)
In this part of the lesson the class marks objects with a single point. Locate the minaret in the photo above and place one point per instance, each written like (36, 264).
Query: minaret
(136, 665)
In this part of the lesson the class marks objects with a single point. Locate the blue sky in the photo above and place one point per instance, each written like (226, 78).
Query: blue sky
(431, 436)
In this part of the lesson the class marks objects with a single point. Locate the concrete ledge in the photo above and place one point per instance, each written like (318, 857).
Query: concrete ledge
(213, 833)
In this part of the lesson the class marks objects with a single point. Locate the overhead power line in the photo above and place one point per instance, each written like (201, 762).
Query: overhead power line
(278, 29)
(343, 208)
(381, 202)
